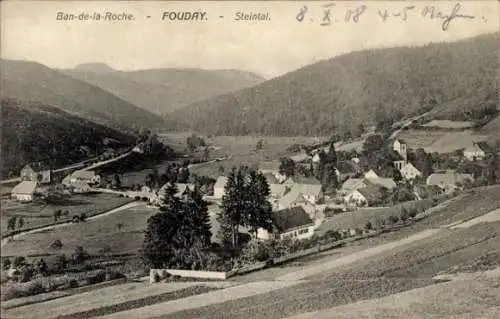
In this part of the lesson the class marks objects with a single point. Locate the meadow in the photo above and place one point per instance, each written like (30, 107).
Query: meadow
(439, 141)
(100, 236)
(39, 213)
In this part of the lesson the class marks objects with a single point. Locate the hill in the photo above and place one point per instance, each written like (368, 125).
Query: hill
(94, 67)
(30, 81)
(32, 131)
(163, 90)
(356, 88)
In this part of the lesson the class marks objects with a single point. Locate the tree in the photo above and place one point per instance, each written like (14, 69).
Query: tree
(359, 130)
(79, 255)
(206, 154)
(19, 261)
(373, 143)
(177, 235)
(11, 223)
(259, 145)
(20, 222)
(493, 169)
(6, 264)
(329, 178)
(221, 169)
(117, 183)
(119, 226)
(57, 215)
(183, 175)
(244, 204)
(287, 167)
(42, 268)
(60, 263)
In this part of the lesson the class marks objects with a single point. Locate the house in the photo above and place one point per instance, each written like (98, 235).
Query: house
(36, 172)
(371, 174)
(89, 177)
(307, 194)
(365, 196)
(278, 190)
(478, 151)
(24, 191)
(449, 181)
(400, 147)
(292, 223)
(139, 148)
(85, 150)
(269, 167)
(409, 171)
(383, 182)
(219, 186)
(352, 184)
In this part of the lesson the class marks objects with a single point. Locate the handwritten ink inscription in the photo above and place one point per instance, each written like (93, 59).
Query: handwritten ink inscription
(355, 14)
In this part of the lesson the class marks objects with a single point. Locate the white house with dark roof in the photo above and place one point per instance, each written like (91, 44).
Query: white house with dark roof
(365, 196)
(478, 151)
(292, 223)
(410, 172)
(449, 181)
(36, 172)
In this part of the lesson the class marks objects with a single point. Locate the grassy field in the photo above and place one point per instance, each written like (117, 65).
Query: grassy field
(456, 299)
(440, 142)
(108, 300)
(240, 149)
(449, 124)
(358, 218)
(94, 235)
(38, 213)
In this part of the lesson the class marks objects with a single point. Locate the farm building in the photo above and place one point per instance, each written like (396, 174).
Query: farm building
(289, 223)
(219, 186)
(356, 183)
(36, 172)
(478, 151)
(449, 181)
(365, 196)
(24, 191)
(409, 171)
(301, 194)
(371, 174)
(88, 177)
(183, 188)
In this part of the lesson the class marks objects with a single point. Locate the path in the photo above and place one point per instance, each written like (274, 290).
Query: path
(493, 216)
(33, 231)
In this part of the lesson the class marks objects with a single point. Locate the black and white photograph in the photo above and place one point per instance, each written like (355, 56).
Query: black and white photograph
(250, 159)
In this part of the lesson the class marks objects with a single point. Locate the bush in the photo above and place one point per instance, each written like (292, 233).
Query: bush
(95, 279)
(25, 290)
(60, 263)
(113, 275)
(18, 262)
(391, 220)
(368, 225)
(6, 264)
(79, 255)
(333, 234)
(56, 244)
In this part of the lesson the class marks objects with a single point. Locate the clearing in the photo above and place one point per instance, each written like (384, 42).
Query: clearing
(38, 213)
(440, 142)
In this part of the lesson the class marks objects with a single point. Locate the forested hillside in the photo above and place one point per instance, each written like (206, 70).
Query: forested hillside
(30, 81)
(364, 87)
(163, 90)
(32, 131)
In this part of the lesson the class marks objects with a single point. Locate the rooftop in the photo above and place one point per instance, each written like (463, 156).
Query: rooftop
(290, 218)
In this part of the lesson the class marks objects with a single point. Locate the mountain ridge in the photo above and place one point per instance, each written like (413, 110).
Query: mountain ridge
(357, 88)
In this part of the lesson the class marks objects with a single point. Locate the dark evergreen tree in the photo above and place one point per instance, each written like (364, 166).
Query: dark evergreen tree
(287, 166)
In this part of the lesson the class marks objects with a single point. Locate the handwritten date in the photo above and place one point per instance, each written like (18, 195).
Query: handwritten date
(355, 14)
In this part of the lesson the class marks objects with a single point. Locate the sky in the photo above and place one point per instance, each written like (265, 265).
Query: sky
(30, 31)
